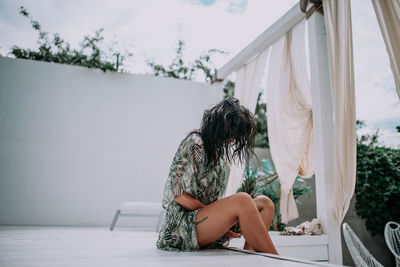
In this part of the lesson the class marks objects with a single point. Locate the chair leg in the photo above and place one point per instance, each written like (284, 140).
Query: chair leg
(114, 222)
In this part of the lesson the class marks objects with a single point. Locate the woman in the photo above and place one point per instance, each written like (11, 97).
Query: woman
(196, 214)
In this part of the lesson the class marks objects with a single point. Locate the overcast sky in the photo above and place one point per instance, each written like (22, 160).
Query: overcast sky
(150, 29)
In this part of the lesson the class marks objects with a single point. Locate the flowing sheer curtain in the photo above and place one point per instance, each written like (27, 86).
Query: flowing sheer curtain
(289, 115)
(388, 15)
(340, 55)
(247, 87)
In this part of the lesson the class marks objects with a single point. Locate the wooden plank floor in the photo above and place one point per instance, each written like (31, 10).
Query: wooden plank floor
(90, 246)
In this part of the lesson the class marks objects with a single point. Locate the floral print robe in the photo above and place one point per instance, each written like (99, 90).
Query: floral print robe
(188, 174)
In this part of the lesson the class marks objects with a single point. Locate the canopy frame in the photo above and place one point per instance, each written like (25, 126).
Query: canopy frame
(322, 109)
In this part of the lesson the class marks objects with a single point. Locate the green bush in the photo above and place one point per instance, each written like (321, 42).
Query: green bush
(229, 89)
(264, 181)
(180, 69)
(57, 50)
(260, 118)
(378, 182)
(377, 186)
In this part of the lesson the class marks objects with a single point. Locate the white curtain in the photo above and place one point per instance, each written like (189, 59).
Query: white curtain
(247, 88)
(388, 15)
(289, 115)
(340, 55)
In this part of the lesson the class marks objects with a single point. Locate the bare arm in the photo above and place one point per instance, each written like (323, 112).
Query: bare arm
(189, 202)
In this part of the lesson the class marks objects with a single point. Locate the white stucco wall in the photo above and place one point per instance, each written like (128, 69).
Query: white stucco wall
(75, 142)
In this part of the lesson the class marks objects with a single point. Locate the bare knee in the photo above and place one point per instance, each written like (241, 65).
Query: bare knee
(243, 198)
(244, 203)
(265, 203)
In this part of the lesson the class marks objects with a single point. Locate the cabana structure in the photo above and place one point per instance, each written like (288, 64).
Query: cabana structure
(311, 125)
(285, 43)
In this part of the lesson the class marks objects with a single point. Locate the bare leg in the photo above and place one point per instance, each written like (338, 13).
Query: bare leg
(266, 208)
(214, 220)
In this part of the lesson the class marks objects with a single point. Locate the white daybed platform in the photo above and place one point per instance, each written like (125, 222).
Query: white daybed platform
(97, 246)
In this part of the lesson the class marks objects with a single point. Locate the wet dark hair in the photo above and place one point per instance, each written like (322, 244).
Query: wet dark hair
(227, 129)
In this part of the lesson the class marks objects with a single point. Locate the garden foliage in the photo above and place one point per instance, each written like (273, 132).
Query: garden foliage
(180, 69)
(378, 183)
(260, 118)
(59, 51)
(264, 181)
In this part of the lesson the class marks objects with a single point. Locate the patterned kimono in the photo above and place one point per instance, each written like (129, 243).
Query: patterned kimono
(189, 175)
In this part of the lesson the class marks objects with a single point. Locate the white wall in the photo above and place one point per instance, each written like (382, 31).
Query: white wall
(75, 142)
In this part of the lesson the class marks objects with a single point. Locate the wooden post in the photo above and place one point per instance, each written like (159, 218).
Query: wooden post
(322, 111)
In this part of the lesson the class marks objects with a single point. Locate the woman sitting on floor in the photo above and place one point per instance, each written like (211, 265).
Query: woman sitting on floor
(196, 214)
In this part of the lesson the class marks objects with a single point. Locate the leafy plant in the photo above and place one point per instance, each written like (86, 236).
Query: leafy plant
(272, 189)
(260, 118)
(378, 183)
(250, 183)
(59, 51)
(264, 181)
(187, 71)
(229, 89)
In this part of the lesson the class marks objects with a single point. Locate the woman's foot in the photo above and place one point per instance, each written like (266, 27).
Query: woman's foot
(248, 247)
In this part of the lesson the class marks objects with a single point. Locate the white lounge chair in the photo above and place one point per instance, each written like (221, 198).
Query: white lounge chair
(392, 238)
(139, 209)
(360, 254)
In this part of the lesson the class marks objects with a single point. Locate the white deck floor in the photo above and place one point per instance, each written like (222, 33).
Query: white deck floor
(91, 246)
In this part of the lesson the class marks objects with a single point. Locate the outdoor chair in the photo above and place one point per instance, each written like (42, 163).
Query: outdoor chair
(392, 238)
(359, 253)
(139, 209)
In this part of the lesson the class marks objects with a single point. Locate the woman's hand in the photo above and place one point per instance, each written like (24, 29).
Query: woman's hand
(189, 202)
(231, 234)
